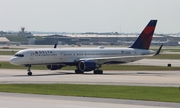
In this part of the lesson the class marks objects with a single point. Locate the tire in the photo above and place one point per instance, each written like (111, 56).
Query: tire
(79, 72)
(29, 73)
(98, 71)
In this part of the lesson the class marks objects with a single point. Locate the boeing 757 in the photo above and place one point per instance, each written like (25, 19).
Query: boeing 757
(87, 59)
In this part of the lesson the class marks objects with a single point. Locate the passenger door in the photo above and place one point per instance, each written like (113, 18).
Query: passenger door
(31, 54)
(61, 55)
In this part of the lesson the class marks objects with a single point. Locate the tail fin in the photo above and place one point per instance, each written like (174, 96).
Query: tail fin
(144, 39)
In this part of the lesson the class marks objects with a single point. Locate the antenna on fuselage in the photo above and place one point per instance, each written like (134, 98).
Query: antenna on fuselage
(55, 45)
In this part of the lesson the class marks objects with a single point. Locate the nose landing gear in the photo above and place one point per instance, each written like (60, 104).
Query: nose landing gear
(29, 73)
(29, 70)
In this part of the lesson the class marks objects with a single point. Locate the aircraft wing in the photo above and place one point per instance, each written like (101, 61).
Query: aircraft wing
(118, 59)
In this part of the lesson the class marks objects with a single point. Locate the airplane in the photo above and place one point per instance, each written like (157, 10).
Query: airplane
(87, 59)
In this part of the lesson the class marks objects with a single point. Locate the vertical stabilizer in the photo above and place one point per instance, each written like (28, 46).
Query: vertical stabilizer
(144, 39)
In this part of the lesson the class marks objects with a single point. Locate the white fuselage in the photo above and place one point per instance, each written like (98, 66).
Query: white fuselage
(70, 55)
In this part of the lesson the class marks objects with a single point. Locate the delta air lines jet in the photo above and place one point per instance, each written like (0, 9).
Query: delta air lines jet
(87, 59)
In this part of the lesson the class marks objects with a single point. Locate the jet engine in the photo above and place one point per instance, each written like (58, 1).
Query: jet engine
(54, 67)
(87, 65)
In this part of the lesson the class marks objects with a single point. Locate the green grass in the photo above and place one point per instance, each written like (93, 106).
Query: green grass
(7, 52)
(166, 94)
(169, 50)
(166, 56)
(13, 48)
(7, 65)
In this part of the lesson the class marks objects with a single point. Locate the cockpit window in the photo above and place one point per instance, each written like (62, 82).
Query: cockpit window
(19, 55)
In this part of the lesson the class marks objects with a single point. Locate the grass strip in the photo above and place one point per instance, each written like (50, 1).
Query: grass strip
(7, 65)
(166, 49)
(166, 56)
(164, 94)
(7, 52)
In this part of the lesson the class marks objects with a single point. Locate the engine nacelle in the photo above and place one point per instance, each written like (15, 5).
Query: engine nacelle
(87, 65)
(54, 67)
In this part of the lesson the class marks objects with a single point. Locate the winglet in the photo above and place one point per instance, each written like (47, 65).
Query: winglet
(158, 51)
(144, 39)
(55, 45)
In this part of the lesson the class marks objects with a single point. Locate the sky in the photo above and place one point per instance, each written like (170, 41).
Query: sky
(127, 16)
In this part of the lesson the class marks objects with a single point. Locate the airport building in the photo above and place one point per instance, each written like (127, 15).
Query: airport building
(4, 40)
(94, 39)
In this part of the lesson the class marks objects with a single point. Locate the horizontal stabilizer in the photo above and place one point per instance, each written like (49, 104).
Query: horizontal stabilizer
(159, 50)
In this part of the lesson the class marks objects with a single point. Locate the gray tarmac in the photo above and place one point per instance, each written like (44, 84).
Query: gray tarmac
(139, 78)
(136, 78)
(143, 78)
(5, 58)
(16, 100)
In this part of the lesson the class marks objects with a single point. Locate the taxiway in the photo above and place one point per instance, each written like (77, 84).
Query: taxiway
(139, 78)
(16, 100)
(136, 78)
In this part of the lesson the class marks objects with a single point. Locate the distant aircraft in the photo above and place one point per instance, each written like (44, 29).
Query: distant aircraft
(87, 59)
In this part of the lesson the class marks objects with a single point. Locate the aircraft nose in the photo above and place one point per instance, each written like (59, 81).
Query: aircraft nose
(13, 61)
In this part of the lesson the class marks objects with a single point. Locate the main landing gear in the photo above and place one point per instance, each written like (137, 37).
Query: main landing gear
(98, 71)
(29, 70)
(95, 71)
(77, 71)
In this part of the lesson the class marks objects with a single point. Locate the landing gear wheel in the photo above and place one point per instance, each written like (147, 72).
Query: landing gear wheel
(29, 73)
(98, 71)
(29, 70)
(79, 72)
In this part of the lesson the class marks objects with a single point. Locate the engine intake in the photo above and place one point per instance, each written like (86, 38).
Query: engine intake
(54, 67)
(87, 65)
